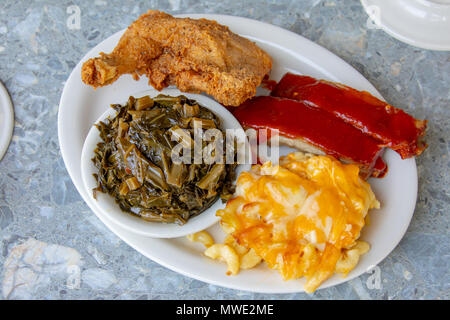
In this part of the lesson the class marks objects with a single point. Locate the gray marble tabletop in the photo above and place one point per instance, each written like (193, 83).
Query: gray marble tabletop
(53, 247)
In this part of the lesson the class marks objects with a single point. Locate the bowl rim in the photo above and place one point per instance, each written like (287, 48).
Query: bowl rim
(107, 205)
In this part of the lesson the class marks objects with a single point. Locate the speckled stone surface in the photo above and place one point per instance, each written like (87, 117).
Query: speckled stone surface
(53, 247)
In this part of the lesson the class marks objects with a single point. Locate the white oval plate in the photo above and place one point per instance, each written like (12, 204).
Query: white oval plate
(6, 120)
(420, 23)
(80, 106)
(107, 205)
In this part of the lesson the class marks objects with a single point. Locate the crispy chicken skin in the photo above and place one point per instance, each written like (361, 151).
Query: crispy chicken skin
(195, 55)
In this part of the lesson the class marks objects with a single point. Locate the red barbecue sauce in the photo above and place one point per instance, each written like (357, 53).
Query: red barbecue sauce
(391, 126)
(268, 84)
(322, 129)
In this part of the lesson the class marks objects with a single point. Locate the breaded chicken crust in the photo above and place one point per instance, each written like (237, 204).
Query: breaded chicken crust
(195, 55)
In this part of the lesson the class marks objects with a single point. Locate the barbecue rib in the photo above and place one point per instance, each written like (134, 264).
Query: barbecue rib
(195, 55)
(392, 127)
(313, 130)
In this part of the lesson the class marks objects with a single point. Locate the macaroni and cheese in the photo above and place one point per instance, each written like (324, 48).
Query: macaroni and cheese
(302, 217)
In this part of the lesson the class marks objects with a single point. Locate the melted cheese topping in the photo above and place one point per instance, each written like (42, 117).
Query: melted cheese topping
(299, 215)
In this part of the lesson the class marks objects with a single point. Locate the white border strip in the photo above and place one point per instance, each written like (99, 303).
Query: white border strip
(6, 120)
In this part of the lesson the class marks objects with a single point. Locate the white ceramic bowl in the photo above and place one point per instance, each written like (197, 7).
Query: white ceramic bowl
(420, 23)
(107, 205)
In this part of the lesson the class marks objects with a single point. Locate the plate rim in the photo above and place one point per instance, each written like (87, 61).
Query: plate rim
(397, 34)
(6, 106)
(323, 52)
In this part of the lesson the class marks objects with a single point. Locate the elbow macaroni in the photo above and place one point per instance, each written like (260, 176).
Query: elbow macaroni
(239, 257)
(226, 253)
(250, 260)
(349, 258)
(203, 237)
(248, 257)
(236, 256)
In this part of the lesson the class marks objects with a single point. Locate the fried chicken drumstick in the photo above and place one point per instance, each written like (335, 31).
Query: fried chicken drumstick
(195, 55)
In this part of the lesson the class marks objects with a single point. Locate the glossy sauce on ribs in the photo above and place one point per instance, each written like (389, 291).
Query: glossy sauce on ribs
(393, 127)
(321, 129)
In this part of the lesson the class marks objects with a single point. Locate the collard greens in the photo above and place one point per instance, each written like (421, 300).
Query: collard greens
(135, 165)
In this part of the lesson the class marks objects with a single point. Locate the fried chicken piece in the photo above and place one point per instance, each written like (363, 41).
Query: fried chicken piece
(195, 55)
